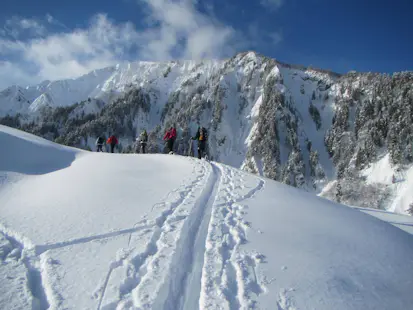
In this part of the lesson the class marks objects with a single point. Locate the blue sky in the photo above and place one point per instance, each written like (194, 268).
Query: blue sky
(48, 39)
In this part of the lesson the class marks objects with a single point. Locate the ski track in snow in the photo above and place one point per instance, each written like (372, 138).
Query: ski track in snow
(200, 225)
(40, 249)
(31, 262)
(173, 212)
(229, 277)
(159, 277)
(141, 265)
(176, 242)
(192, 280)
(284, 302)
(172, 240)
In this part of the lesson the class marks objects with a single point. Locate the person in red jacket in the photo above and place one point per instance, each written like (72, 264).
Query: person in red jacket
(112, 141)
(170, 137)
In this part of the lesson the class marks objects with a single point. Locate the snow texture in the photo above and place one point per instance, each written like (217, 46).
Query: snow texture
(115, 231)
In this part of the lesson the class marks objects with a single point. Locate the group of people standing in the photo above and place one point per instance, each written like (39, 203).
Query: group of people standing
(170, 136)
(112, 141)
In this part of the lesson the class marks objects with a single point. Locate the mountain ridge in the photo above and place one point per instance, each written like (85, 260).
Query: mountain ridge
(45, 83)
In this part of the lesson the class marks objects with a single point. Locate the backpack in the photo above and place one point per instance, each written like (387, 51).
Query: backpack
(203, 136)
(144, 137)
(112, 140)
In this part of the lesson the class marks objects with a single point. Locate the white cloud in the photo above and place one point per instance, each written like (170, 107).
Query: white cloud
(175, 30)
(178, 29)
(11, 74)
(9, 46)
(53, 21)
(17, 26)
(66, 54)
(272, 4)
(50, 19)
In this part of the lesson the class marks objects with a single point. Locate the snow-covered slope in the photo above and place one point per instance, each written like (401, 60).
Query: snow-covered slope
(13, 100)
(106, 231)
(399, 181)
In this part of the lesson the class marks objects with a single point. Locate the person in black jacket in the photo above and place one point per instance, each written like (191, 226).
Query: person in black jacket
(100, 141)
(202, 137)
(142, 140)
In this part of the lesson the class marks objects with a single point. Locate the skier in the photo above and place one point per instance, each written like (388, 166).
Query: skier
(143, 140)
(112, 141)
(170, 137)
(99, 143)
(202, 137)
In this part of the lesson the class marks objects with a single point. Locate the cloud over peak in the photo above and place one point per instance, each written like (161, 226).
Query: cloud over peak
(46, 49)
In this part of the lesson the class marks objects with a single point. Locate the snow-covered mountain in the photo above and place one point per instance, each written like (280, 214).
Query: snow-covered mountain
(305, 127)
(82, 230)
(16, 99)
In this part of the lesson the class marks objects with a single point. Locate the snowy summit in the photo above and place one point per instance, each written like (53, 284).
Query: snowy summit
(82, 230)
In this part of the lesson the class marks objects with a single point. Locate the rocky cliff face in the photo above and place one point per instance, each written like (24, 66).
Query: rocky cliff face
(305, 127)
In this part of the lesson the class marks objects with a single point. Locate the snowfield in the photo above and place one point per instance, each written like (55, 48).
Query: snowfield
(81, 230)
